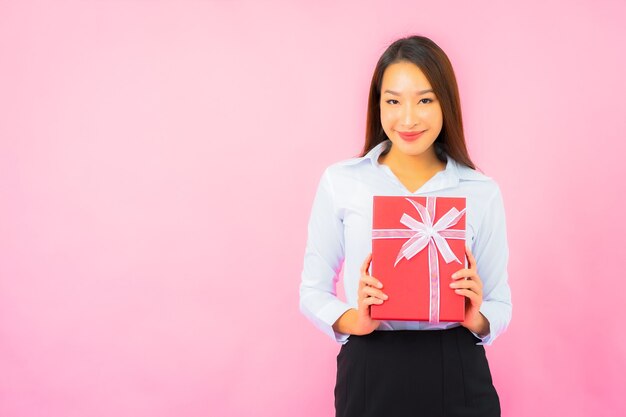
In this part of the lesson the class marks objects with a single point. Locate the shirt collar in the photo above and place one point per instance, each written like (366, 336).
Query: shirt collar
(454, 171)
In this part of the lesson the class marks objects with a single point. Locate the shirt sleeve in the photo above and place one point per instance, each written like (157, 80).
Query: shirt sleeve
(491, 252)
(323, 257)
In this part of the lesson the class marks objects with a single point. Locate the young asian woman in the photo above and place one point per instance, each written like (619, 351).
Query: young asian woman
(414, 146)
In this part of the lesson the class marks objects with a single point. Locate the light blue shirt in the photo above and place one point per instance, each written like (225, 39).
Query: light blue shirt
(340, 230)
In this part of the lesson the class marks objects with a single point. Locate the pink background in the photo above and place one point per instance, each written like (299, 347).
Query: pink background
(158, 161)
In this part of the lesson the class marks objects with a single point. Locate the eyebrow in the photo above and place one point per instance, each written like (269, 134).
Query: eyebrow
(417, 92)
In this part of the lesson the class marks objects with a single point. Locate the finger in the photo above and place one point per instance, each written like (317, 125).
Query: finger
(463, 273)
(364, 295)
(477, 280)
(372, 300)
(470, 257)
(366, 264)
(466, 284)
(473, 297)
(371, 291)
(370, 280)
(467, 274)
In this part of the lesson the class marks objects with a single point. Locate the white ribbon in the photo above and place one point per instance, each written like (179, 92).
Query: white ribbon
(425, 233)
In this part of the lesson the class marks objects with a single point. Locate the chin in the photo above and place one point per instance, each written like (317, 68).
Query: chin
(416, 147)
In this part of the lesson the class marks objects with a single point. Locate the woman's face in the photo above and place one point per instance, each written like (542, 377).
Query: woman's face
(407, 105)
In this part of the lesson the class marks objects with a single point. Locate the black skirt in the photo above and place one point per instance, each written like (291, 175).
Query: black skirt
(397, 373)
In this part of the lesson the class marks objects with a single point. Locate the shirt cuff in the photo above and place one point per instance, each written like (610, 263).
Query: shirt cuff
(489, 338)
(483, 340)
(329, 316)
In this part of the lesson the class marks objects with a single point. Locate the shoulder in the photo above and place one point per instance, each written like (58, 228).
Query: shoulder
(346, 166)
(349, 162)
(469, 174)
(483, 185)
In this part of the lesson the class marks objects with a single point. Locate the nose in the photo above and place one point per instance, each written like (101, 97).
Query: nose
(409, 116)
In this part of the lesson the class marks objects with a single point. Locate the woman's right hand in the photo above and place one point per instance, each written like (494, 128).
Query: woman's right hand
(369, 293)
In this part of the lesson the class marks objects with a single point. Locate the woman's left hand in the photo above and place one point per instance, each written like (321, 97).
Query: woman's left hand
(472, 288)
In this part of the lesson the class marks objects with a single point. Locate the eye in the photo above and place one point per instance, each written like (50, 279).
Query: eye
(429, 100)
(391, 100)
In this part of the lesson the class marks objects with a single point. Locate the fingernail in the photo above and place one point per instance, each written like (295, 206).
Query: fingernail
(453, 275)
(380, 285)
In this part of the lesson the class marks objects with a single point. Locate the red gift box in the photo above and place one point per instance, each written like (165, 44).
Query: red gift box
(417, 244)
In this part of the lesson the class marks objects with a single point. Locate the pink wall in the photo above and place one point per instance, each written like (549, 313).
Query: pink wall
(158, 161)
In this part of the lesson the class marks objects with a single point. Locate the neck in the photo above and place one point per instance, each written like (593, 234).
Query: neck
(412, 164)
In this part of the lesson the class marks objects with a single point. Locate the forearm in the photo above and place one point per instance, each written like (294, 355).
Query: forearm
(345, 323)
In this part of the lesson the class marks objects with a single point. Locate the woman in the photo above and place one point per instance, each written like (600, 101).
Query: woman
(414, 146)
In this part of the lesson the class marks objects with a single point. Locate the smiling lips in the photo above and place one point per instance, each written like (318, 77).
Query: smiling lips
(410, 136)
